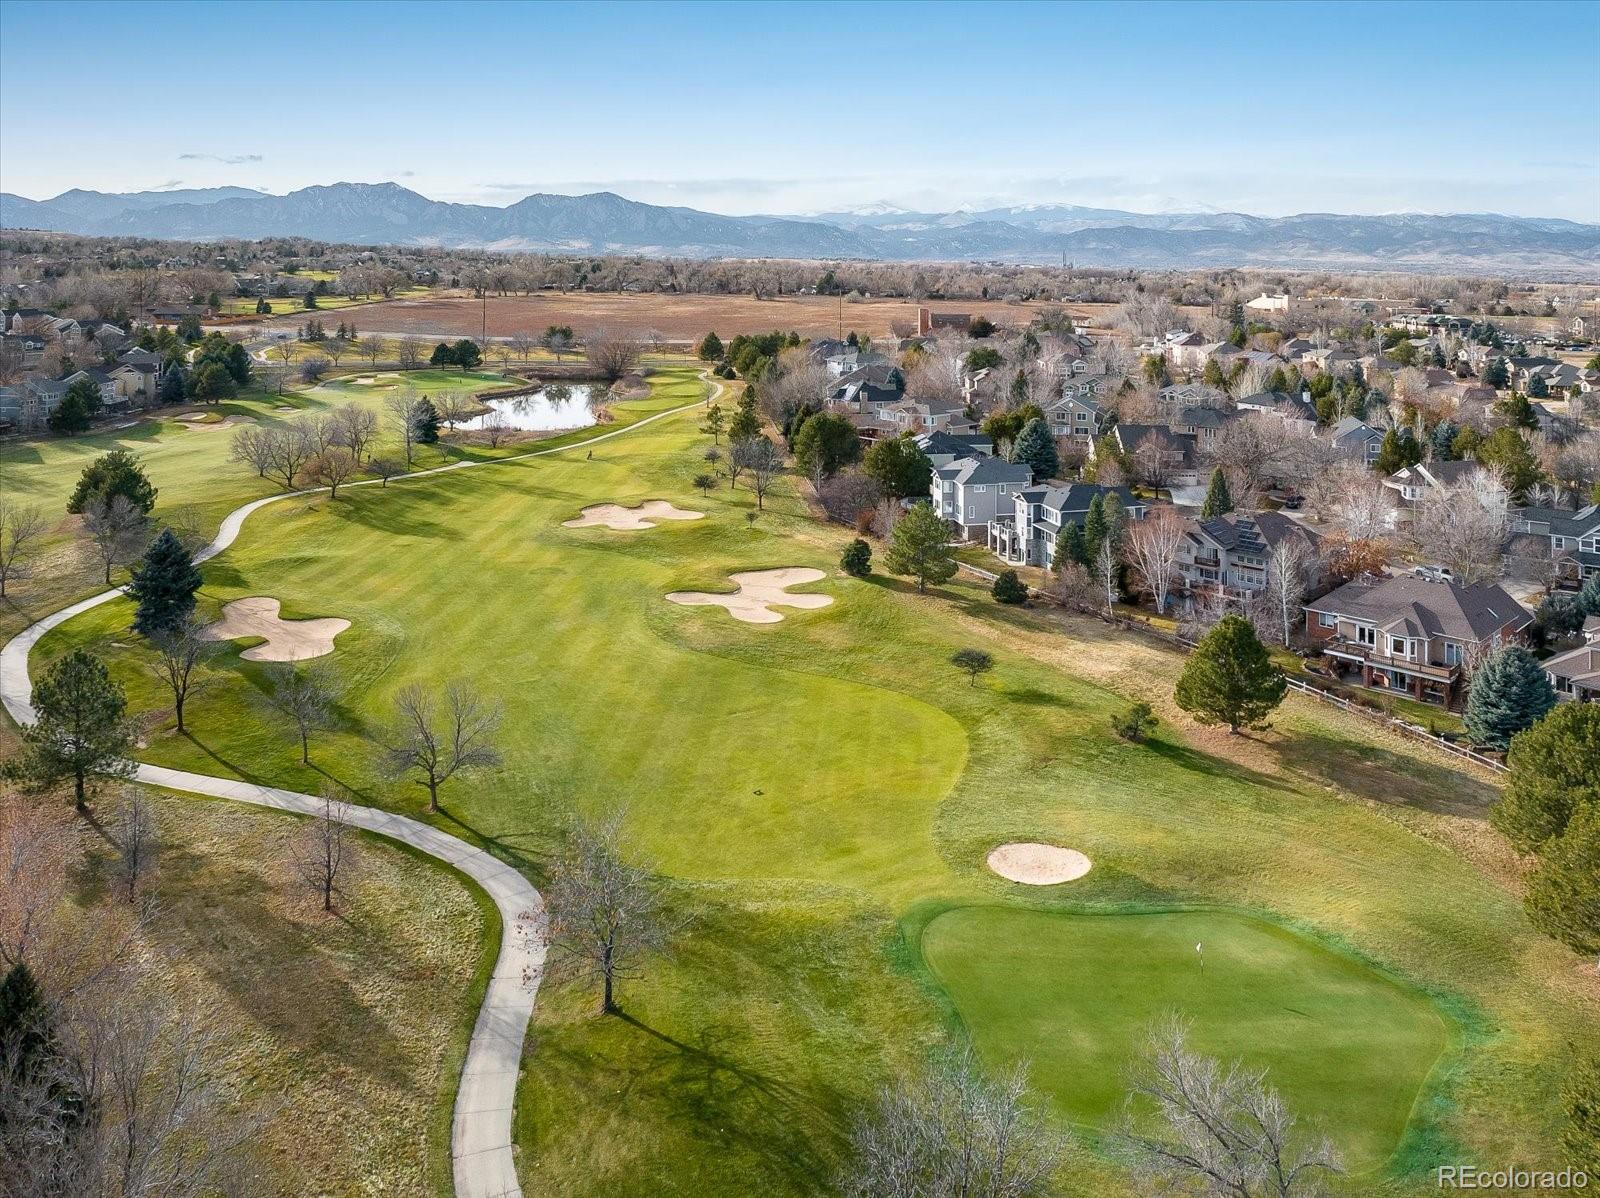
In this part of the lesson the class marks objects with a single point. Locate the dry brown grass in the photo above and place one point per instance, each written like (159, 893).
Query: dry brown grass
(678, 318)
(346, 1029)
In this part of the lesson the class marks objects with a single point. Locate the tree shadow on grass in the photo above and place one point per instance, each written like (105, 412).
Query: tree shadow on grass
(529, 853)
(1196, 762)
(397, 513)
(280, 972)
(771, 1119)
(234, 770)
(1385, 776)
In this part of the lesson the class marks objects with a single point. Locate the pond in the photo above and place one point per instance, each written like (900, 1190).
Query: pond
(557, 406)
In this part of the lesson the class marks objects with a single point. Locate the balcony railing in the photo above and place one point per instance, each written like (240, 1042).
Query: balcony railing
(1372, 655)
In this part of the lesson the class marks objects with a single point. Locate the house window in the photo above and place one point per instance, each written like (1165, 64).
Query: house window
(1555, 542)
(1454, 655)
(1397, 647)
(979, 490)
(1366, 635)
(1327, 620)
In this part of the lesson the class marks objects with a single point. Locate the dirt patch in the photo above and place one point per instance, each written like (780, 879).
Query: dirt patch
(286, 640)
(759, 592)
(630, 519)
(1035, 864)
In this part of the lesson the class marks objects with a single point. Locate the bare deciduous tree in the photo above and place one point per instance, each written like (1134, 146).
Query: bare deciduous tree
(1354, 501)
(375, 348)
(435, 743)
(289, 447)
(762, 460)
(452, 409)
(408, 353)
(20, 527)
(135, 838)
(116, 529)
(951, 1130)
(605, 918)
(521, 344)
(324, 849)
(494, 428)
(1222, 1129)
(385, 469)
(1153, 546)
(611, 355)
(1465, 526)
(354, 426)
(306, 695)
(1290, 564)
(402, 410)
(252, 447)
(180, 651)
(330, 468)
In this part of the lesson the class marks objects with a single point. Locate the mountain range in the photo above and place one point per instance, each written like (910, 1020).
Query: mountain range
(602, 222)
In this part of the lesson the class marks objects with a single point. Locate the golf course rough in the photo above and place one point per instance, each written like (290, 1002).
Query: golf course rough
(1076, 995)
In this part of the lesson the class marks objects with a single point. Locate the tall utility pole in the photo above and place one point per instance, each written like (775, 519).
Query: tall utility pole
(483, 327)
(841, 311)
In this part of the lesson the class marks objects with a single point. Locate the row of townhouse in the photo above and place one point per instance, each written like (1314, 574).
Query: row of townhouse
(129, 383)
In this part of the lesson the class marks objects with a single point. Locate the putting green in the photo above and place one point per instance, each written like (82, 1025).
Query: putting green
(1075, 995)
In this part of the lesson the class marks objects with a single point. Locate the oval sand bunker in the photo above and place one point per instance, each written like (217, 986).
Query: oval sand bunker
(759, 592)
(1038, 864)
(630, 519)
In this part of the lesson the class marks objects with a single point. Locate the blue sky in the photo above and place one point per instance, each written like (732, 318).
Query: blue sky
(1266, 108)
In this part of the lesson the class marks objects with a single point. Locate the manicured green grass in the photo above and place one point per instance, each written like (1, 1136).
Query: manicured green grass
(1077, 993)
(805, 789)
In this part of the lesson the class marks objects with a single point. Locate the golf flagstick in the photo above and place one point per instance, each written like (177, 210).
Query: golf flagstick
(1201, 955)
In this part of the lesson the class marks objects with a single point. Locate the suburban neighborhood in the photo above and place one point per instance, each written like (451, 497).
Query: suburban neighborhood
(679, 632)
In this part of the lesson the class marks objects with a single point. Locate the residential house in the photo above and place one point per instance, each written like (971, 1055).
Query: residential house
(929, 321)
(923, 415)
(175, 313)
(1575, 674)
(1574, 537)
(1075, 418)
(1355, 438)
(1415, 482)
(1414, 636)
(1176, 458)
(1295, 348)
(1027, 534)
(969, 492)
(943, 447)
(1185, 395)
(1297, 412)
(1268, 303)
(1204, 424)
(868, 386)
(1229, 555)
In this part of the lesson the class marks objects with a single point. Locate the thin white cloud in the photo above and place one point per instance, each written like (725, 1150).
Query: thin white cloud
(225, 159)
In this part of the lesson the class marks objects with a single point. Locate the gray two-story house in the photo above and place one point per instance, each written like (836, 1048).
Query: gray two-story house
(970, 492)
(1229, 555)
(1573, 538)
(1027, 534)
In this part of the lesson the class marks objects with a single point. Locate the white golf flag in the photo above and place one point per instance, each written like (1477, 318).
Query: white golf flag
(1196, 946)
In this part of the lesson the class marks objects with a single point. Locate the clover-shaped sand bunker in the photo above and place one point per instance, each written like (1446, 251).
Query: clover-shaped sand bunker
(759, 592)
(286, 640)
(1038, 864)
(630, 519)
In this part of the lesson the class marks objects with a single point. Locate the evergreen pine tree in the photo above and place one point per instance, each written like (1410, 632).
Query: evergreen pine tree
(1219, 501)
(857, 559)
(163, 584)
(80, 732)
(427, 418)
(1589, 597)
(1036, 448)
(920, 546)
(173, 385)
(1391, 456)
(1229, 678)
(1509, 694)
(710, 348)
(1069, 548)
(1008, 588)
(1094, 529)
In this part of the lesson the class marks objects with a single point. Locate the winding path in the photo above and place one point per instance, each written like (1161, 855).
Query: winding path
(481, 1154)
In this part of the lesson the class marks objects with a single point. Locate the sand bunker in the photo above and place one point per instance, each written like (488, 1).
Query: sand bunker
(366, 380)
(759, 591)
(286, 640)
(1038, 864)
(630, 519)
